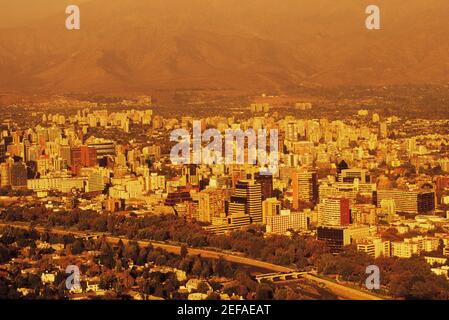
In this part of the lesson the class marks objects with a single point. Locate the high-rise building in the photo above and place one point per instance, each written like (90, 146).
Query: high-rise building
(441, 183)
(292, 132)
(18, 175)
(305, 187)
(338, 236)
(83, 156)
(66, 155)
(95, 183)
(286, 221)
(2, 151)
(335, 212)
(5, 175)
(388, 208)
(334, 237)
(408, 201)
(247, 200)
(375, 247)
(266, 183)
(270, 207)
(349, 175)
(383, 130)
(211, 204)
(177, 197)
(103, 147)
(342, 165)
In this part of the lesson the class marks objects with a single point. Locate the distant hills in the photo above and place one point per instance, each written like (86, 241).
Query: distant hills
(138, 46)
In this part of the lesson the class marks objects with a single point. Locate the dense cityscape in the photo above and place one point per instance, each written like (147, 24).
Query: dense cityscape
(91, 184)
(205, 159)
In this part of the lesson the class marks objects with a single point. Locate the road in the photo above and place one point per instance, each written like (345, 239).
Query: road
(340, 290)
(168, 247)
(344, 292)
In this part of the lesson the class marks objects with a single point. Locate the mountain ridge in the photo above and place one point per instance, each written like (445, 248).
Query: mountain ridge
(137, 46)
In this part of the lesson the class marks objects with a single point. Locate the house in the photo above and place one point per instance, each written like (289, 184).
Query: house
(24, 291)
(435, 260)
(442, 271)
(197, 296)
(48, 278)
(194, 284)
(93, 284)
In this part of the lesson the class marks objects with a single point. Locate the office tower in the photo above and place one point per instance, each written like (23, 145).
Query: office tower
(189, 172)
(18, 174)
(334, 237)
(388, 208)
(237, 174)
(2, 151)
(103, 147)
(411, 146)
(65, 154)
(349, 175)
(286, 221)
(95, 183)
(375, 247)
(270, 207)
(441, 184)
(338, 236)
(31, 169)
(247, 201)
(291, 132)
(383, 130)
(177, 197)
(32, 153)
(305, 187)
(5, 175)
(335, 212)
(408, 201)
(26, 145)
(266, 183)
(342, 165)
(83, 156)
(153, 150)
(211, 204)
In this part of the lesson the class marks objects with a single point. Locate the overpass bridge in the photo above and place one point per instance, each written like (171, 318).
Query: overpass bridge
(280, 276)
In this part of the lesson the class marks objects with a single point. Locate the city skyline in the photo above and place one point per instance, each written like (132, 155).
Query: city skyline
(247, 152)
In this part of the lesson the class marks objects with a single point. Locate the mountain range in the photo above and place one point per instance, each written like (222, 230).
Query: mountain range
(143, 45)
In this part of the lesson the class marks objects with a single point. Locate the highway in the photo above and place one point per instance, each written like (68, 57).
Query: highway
(344, 292)
(168, 247)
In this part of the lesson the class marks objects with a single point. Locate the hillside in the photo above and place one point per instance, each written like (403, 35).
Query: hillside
(138, 46)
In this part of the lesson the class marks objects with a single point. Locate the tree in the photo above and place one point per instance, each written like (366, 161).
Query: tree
(197, 267)
(203, 287)
(327, 264)
(184, 251)
(77, 247)
(264, 292)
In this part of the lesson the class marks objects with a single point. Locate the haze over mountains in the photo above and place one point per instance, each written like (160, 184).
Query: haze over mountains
(139, 46)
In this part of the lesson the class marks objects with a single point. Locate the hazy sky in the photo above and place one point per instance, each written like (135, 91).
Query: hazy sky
(15, 13)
